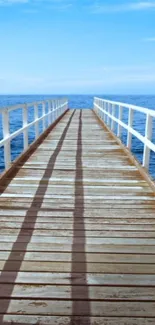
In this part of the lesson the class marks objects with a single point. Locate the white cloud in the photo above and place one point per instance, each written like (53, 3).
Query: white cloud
(110, 79)
(61, 4)
(11, 2)
(149, 39)
(129, 6)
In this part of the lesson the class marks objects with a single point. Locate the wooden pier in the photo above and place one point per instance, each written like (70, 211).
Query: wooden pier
(77, 230)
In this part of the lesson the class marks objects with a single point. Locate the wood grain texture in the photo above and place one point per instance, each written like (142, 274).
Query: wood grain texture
(65, 320)
(77, 232)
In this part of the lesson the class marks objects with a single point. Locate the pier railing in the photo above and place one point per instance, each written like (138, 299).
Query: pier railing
(50, 112)
(107, 109)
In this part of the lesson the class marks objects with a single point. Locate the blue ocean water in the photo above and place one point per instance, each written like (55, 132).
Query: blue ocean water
(77, 101)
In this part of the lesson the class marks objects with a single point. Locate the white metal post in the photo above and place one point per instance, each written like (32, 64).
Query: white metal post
(112, 121)
(98, 111)
(25, 121)
(103, 109)
(148, 135)
(49, 115)
(120, 114)
(6, 133)
(51, 103)
(43, 114)
(57, 105)
(61, 107)
(98, 103)
(130, 121)
(108, 122)
(101, 106)
(57, 111)
(66, 107)
(101, 113)
(52, 110)
(106, 108)
(36, 118)
(95, 103)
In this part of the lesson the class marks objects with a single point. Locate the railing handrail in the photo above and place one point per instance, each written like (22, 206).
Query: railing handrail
(106, 110)
(144, 110)
(20, 106)
(56, 107)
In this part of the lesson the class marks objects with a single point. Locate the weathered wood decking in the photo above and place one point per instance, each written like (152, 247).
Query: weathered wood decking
(77, 233)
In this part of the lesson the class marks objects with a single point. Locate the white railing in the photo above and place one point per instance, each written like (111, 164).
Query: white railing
(55, 108)
(106, 110)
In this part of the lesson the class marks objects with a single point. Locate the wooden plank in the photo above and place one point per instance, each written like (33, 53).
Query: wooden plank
(56, 292)
(89, 248)
(122, 213)
(81, 239)
(90, 257)
(79, 233)
(28, 266)
(69, 190)
(78, 240)
(58, 307)
(61, 222)
(93, 279)
(60, 320)
(69, 204)
(93, 227)
(99, 194)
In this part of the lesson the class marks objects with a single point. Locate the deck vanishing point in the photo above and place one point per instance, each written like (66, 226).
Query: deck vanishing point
(77, 231)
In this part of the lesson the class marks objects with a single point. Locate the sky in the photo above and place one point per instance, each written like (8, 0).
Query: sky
(77, 47)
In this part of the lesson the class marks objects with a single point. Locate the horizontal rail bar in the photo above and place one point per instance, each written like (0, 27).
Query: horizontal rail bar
(99, 103)
(134, 132)
(56, 107)
(134, 107)
(21, 106)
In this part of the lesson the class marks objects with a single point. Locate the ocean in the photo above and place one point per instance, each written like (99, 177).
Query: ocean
(77, 101)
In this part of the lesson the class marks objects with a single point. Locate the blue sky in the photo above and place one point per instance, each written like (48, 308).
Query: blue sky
(77, 46)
